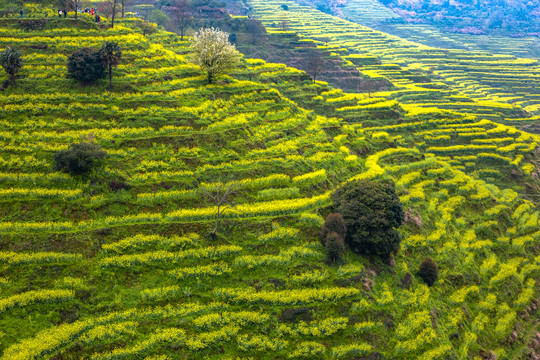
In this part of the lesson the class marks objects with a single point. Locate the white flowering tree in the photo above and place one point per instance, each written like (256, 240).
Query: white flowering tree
(213, 52)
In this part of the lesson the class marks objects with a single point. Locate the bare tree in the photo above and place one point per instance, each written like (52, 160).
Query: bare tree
(284, 23)
(367, 85)
(108, 9)
(113, 12)
(314, 64)
(220, 195)
(325, 40)
(255, 29)
(123, 4)
(181, 15)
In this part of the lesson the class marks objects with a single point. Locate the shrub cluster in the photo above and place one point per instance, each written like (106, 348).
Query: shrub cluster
(333, 233)
(372, 213)
(79, 158)
(88, 65)
(85, 65)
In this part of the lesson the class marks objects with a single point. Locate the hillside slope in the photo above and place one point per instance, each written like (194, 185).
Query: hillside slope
(120, 265)
(424, 30)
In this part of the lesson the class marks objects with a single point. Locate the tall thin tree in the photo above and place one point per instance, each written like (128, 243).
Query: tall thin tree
(110, 55)
(123, 4)
(314, 63)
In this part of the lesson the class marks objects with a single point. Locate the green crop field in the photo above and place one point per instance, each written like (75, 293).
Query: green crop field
(119, 264)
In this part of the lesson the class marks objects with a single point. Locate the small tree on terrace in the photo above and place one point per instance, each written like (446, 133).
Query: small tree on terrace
(335, 248)
(220, 195)
(146, 27)
(213, 52)
(314, 63)
(11, 61)
(256, 29)
(110, 56)
(333, 223)
(181, 15)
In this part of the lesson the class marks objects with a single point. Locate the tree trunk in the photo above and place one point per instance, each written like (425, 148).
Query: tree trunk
(110, 76)
(113, 13)
(182, 24)
(210, 77)
(214, 232)
(76, 7)
(123, 5)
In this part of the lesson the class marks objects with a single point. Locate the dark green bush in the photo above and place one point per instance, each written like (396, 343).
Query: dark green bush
(372, 212)
(428, 271)
(86, 65)
(333, 223)
(292, 315)
(335, 248)
(79, 158)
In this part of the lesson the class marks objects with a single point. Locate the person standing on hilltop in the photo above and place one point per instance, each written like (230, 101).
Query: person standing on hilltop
(65, 13)
(21, 14)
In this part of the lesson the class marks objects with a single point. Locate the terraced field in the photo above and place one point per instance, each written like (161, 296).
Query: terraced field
(120, 265)
(367, 12)
(375, 15)
(484, 80)
(525, 47)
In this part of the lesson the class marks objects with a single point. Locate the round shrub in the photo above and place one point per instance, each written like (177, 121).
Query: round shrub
(79, 158)
(372, 213)
(335, 247)
(85, 65)
(333, 223)
(428, 271)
